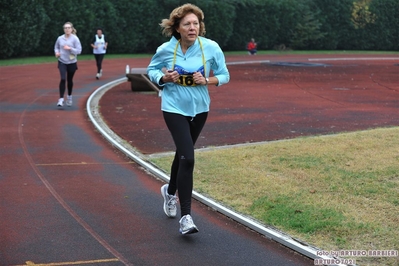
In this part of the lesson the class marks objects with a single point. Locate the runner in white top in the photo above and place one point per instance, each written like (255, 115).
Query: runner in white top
(99, 46)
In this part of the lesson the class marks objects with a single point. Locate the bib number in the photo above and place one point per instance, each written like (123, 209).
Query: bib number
(187, 80)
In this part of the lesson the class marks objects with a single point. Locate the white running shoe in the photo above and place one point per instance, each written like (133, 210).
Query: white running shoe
(101, 73)
(187, 225)
(60, 102)
(97, 75)
(169, 202)
(69, 100)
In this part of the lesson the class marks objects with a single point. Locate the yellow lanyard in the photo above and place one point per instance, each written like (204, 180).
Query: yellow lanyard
(202, 51)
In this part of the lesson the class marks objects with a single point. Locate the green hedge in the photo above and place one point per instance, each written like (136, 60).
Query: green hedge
(30, 28)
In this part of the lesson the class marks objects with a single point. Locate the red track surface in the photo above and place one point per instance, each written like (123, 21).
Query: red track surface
(67, 196)
(266, 102)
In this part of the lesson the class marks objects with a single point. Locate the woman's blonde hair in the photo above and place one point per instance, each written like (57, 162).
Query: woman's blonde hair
(74, 31)
(170, 25)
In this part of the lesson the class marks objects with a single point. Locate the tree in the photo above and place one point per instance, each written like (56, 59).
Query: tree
(335, 19)
(361, 16)
(383, 32)
(307, 31)
(30, 28)
(22, 24)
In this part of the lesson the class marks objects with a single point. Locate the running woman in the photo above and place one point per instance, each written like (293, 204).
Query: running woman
(66, 49)
(189, 59)
(99, 46)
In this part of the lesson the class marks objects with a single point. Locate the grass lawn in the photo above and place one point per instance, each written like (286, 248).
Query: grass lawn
(51, 59)
(337, 192)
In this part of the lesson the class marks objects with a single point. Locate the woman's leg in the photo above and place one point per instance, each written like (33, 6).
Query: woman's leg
(63, 70)
(185, 132)
(100, 62)
(71, 68)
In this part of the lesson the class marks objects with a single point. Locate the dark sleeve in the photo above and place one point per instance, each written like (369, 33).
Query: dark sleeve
(94, 40)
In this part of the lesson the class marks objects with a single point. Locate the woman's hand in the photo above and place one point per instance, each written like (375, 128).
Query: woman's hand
(170, 76)
(199, 79)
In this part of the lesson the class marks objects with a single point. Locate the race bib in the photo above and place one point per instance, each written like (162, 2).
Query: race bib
(186, 77)
(187, 80)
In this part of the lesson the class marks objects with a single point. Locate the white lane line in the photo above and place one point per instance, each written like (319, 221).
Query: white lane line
(353, 58)
(247, 62)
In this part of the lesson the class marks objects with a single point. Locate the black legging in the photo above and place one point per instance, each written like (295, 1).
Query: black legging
(67, 71)
(99, 61)
(185, 132)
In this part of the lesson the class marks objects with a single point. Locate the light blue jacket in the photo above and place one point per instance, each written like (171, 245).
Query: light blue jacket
(68, 56)
(187, 100)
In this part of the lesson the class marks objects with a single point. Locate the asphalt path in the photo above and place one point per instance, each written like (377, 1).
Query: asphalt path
(67, 197)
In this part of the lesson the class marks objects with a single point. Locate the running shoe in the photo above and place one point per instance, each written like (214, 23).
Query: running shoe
(69, 100)
(187, 225)
(60, 102)
(169, 202)
(97, 75)
(101, 73)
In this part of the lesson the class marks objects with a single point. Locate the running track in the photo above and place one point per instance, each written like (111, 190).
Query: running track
(67, 196)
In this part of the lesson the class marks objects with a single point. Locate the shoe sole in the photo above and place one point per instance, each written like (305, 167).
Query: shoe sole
(192, 230)
(164, 203)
